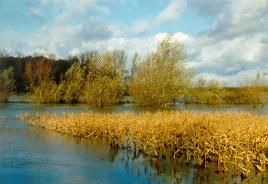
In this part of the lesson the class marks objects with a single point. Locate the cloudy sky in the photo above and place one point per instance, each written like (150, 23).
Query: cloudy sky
(225, 39)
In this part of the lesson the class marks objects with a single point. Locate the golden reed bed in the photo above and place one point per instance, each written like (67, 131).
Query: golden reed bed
(237, 142)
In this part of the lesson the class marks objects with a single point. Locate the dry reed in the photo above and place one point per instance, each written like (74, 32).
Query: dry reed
(232, 141)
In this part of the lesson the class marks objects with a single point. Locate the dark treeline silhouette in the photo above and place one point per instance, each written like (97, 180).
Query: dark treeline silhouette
(19, 63)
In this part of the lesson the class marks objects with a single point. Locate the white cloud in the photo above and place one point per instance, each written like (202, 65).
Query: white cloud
(172, 12)
(62, 39)
(132, 45)
(73, 6)
(74, 52)
(181, 37)
(141, 26)
(35, 13)
(234, 48)
(209, 8)
(67, 10)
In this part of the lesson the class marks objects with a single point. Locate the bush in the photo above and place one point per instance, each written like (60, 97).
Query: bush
(73, 84)
(245, 95)
(211, 94)
(103, 91)
(3, 97)
(7, 84)
(105, 78)
(46, 92)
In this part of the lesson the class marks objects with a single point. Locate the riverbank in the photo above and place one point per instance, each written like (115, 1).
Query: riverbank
(235, 142)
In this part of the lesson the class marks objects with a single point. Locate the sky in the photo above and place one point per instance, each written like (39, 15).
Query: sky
(225, 40)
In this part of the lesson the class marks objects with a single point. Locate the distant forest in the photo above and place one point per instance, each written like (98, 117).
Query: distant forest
(19, 63)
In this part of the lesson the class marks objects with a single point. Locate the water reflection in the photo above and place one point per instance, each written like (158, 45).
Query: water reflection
(9, 109)
(180, 172)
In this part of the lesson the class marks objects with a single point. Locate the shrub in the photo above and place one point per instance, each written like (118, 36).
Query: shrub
(46, 92)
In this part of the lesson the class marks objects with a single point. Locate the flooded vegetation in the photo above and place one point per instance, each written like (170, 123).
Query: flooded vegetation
(235, 142)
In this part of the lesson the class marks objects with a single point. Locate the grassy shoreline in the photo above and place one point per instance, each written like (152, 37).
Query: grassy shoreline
(232, 141)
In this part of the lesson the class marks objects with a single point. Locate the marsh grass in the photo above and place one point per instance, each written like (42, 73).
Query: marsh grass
(233, 142)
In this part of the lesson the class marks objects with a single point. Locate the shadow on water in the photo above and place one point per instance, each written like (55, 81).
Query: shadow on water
(33, 155)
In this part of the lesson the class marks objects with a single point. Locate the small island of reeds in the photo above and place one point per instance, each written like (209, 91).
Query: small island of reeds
(232, 142)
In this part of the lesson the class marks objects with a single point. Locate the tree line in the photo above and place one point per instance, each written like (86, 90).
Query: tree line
(103, 78)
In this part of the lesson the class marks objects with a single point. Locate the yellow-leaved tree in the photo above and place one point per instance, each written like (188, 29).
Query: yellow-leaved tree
(105, 78)
(161, 77)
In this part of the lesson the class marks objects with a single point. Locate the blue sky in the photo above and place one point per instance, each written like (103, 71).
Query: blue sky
(225, 40)
(32, 15)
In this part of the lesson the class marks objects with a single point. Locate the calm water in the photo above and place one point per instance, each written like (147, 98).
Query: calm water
(33, 155)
